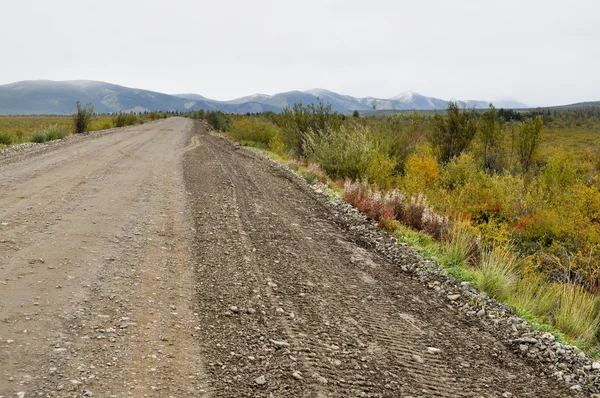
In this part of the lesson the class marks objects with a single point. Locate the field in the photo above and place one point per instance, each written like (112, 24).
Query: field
(508, 201)
(20, 129)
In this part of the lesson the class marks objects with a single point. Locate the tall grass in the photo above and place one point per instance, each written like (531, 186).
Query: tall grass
(497, 272)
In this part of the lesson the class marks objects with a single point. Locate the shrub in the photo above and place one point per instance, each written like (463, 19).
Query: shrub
(491, 131)
(255, 130)
(421, 170)
(5, 138)
(218, 120)
(126, 119)
(38, 137)
(341, 153)
(451, 134)
(81, 120)
(528, 140)
(55, 133)
(299, 121)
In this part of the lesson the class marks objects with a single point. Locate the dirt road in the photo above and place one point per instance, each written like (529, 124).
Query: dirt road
(161, 260)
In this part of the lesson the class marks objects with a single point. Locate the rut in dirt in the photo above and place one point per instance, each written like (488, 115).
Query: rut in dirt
(291, 304)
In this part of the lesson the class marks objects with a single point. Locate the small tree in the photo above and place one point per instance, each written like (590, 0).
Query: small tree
(452, 133)
(81, 120)
(528, 140)
(491, 129)
(356, 114)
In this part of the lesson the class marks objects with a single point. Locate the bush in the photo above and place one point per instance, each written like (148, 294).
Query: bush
(126, 119)
(81, 120)
(55, 133)
(299, 121)
(528, 140)
(218, 120)
(342, 154)
(6, 138)
(452, 133)
(254, 130)
(38, 137)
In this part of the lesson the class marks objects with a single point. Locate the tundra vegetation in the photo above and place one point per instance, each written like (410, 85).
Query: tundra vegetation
(42, 128)
(507, 200)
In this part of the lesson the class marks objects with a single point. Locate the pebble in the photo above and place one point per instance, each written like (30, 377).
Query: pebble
(280, 344)
(453, 297)
(261, 380)
(297, 375)
(418, 358)
(319, 378)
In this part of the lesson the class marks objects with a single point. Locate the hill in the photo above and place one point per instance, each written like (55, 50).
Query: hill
(52, 97)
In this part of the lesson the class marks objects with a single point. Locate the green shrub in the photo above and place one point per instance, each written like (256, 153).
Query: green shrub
(299, 121)
(255, 130)
(340, 153)
(6, 138)
(451, 134)
(38, 137)
(126, 119)
(55, 133)
(81, 120)
(218, 120)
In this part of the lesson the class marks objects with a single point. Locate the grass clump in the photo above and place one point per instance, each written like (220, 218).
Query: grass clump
(497, 272)
(126, 119)
(6, 138)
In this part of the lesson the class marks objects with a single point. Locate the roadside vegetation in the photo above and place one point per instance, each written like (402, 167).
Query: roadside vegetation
(507, 200)
(43, 128)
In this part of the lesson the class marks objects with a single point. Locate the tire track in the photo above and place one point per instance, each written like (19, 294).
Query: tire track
(352, 324)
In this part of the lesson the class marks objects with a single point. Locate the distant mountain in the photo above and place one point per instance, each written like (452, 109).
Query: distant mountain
(51, 97)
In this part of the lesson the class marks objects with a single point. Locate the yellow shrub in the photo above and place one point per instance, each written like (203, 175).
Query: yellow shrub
(381, 171)
(422, 170)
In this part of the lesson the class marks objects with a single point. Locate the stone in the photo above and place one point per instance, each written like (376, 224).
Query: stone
(453, 297)
(297, 375)
(418, 359)
(279, 344)
(261, 380)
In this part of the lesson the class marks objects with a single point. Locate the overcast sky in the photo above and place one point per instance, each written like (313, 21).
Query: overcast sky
(539, 52)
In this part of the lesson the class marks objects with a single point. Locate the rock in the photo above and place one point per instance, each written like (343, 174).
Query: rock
(21, 394)
(251, 311)
(576, 387)
(234, 309)
(319, 378)
(526, 340)
(596, 365)
(418, 359)
(280, 310)
(523, 348)
(261, 380)
(548, 337)
(279, 344)
(433, 350)
(453, 297)
(481, 313)
(297, 375)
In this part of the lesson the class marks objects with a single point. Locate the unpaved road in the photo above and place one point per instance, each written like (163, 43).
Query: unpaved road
(161, 260)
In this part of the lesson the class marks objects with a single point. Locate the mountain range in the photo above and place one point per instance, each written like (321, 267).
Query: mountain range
(59, 98)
